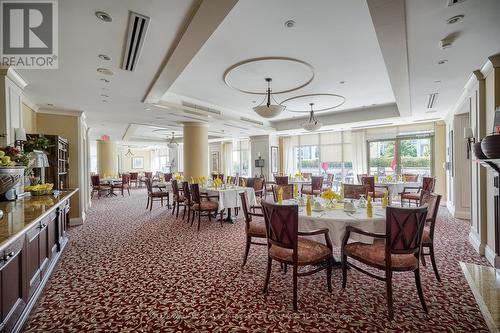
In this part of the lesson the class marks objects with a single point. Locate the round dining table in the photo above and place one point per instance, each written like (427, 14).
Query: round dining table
(336, 220)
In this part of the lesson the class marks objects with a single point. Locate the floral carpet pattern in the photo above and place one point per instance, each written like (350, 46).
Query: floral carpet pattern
(130, 270)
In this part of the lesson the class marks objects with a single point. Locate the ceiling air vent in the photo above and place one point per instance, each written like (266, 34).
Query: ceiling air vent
(255, 122)
(432, 100)
(137, 27)
(202, 108)
(453, 2)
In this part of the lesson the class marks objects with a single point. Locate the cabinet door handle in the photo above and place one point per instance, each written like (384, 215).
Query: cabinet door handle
(7, 256)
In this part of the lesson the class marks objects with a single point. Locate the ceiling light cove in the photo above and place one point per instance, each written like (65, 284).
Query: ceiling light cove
(288, 74)
(322, 102)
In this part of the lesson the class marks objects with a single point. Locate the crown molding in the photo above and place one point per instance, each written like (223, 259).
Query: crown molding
(72, 113)
(14, 77)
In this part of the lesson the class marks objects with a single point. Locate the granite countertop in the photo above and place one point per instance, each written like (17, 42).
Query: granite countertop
(22, 214)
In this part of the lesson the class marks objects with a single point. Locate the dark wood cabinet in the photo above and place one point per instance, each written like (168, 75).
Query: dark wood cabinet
(26, 264)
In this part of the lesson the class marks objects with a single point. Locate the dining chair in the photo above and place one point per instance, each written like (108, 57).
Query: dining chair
(281, 180)
(154, 195)
(203, 206)
(411, 194)
(328, 183)
(396, 251)
(177, 198)
(134, 178)
(167, 176)
(287, 192)
(285, 246)
(315, 188)
(188, 202)
(242, 181)
(361, 176)
(259, 187)
(124, 184)
(253, 228)
(353, 191)
(307, 175)
(432, 201)
(98, 187)
(218, 175)
(369, 182)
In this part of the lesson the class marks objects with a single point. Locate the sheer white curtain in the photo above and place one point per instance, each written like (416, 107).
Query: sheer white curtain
(288, 167)
(227, 163)
(359, 153)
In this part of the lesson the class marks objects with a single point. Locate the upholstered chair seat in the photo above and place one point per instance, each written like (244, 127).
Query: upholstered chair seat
(309, 252)
(256, 229)
(376, 194)
(374, 255)
(411, 196)
(206, 205)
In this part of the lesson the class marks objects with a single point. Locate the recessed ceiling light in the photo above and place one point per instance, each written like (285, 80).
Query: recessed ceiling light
(442, 62)
(105, 71)
(437, 81)
(103, 16)
(454, 19)
(290, 24)
(104, 57)
(342, 82)
(104, 80)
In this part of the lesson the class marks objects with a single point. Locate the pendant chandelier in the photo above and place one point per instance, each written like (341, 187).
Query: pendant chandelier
(129, 152)
(312, 125)
(172, 144)
(269, 110)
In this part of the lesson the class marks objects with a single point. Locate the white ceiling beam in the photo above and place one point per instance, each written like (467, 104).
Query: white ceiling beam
(389, 21)
(206, 18)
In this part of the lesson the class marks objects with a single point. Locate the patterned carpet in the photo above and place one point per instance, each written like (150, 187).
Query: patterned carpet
(130, 270)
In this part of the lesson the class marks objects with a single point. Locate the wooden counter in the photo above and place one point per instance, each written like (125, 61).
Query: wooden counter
(32, 237)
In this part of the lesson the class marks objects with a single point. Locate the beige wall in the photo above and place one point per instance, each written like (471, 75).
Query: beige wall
(127, 161)
(66, 126)
(440, 158)
(29, 119)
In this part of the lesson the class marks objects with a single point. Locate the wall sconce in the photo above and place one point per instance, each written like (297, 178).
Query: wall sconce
(469, 136)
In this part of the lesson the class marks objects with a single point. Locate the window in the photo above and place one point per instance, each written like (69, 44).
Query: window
(405, 155)
(241, 158)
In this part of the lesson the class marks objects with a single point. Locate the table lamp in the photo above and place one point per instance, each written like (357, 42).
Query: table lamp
(39, 160)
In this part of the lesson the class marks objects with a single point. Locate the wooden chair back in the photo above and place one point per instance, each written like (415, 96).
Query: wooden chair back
(125, 179)
(187, 192)
(287, 192)
(369, 183)
(134, 175)
(361, 176)
(410, 177)
(330, 177)
(149, 185)
(95, 180)
(282, 225)
(175, 189)
(195, 193)
(167, 176)
(246, 212)
(404, 229)
(432, 201)
(352, 191)
(316, 182)
(428, 183)
(281, 180)
(148, 174)
(220, 175)
(258, 184)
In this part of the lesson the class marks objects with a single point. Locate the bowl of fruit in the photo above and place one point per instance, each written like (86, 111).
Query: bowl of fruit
(10, 174)
(40, 189)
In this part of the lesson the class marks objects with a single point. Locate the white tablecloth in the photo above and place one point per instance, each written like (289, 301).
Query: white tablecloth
(397, 187)
(337, 220)
(230, 198)
(164, 186)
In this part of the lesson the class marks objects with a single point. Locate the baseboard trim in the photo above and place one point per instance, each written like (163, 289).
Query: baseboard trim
(75, 221)
(461, 214)
(476, 242)
(491, 256)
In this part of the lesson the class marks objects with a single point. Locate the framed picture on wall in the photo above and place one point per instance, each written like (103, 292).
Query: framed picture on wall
(214, 161)
(274, 159)
(137, 162)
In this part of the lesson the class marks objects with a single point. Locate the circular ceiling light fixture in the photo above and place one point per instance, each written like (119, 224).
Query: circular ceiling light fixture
(268, 110)
(289, 24)
(104, 57)
(172, 144)
(455, 19)
(103, 16)
(105, 71)
(246, 76)
(312, 124)
(301, 103)
(442, 62)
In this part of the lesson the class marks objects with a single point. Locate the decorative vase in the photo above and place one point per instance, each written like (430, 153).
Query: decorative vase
(9, 178)
(490, 145)
(476, 149)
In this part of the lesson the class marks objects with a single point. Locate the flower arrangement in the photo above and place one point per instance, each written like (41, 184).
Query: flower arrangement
(298, 174)
(178, 177)
(388, 178)
(12, 156)
(330, 195)
(37, 143)
(39, 189)
(217, 182)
